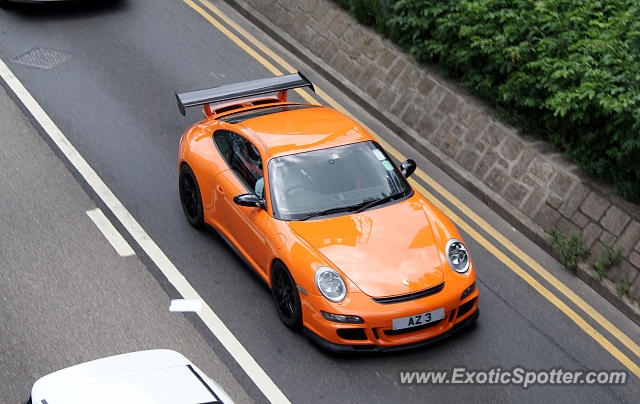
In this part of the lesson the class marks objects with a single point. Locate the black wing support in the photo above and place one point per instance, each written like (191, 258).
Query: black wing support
(244, 89)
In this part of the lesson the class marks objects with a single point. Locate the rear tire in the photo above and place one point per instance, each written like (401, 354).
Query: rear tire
(286, 297)
(190, 197)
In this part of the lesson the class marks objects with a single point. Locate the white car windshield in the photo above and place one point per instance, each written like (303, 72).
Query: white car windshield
(329, 181)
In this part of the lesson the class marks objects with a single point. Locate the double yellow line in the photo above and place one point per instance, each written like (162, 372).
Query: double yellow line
(546, 275)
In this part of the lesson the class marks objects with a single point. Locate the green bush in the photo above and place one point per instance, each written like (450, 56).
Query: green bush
(566, 70)
(369, 12)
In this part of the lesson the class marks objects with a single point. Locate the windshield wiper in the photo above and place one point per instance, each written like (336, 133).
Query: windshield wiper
(332, 210)
(381, 201)
(357, 208)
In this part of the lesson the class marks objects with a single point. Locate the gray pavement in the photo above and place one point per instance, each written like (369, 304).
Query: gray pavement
(66, 296)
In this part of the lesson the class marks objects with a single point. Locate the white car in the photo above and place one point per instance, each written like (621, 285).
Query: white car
(156, 376)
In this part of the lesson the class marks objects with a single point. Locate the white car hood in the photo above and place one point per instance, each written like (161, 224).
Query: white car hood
(158, 376)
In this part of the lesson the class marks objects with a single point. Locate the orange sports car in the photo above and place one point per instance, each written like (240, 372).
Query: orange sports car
(307, 197)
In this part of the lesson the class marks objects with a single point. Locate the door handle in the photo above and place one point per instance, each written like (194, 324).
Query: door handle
(219, 188)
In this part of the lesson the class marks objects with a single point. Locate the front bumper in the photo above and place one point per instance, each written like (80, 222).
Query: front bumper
(340, 348)
(376, 333)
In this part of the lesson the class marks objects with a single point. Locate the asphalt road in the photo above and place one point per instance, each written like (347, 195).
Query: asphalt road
(67, 296)
(113, 99)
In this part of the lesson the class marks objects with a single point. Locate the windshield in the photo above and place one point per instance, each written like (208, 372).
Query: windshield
(338, 179)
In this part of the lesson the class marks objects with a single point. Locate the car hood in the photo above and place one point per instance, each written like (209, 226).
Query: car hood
(386, 251)
(156, 376)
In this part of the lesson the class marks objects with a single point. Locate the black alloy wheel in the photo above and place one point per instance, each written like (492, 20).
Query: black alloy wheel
(190, 197)
(286, 297)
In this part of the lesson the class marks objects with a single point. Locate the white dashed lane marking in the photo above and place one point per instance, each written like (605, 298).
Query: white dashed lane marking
(194, 305)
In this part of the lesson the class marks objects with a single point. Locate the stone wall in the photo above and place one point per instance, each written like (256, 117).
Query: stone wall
(524, 177)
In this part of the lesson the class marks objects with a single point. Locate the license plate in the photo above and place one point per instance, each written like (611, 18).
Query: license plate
(418, 319)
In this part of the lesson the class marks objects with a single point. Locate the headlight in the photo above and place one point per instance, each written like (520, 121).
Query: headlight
(457, 255)
(330, 284)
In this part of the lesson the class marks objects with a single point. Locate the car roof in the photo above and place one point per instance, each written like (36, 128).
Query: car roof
(149, 376)
(297, 130)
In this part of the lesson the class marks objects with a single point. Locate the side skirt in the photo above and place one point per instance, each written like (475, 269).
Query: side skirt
(244, 259)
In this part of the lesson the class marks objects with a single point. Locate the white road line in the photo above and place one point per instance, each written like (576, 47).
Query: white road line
(110, 233)
(208, 316)
(185, 305)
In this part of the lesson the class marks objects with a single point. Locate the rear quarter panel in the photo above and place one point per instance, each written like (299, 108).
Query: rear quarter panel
(198, 150)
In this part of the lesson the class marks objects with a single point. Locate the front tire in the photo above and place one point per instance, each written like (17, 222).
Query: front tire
(190, 197)
(286, 297)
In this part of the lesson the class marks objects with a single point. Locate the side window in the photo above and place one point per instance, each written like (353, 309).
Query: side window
(243, 159)
(222, 139)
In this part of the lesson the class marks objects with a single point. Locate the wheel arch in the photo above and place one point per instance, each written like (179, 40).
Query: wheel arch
(272, 264)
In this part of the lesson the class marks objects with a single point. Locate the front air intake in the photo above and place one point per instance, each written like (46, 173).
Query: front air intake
(409, 296)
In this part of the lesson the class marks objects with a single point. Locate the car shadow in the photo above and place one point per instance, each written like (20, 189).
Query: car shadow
(65, 10)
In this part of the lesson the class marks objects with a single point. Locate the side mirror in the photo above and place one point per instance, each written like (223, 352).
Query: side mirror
(407, 167)
(250, 200)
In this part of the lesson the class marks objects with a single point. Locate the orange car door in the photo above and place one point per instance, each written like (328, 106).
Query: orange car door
(245, 225)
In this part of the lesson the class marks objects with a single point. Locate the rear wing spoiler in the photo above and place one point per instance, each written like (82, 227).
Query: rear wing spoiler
(245, 89)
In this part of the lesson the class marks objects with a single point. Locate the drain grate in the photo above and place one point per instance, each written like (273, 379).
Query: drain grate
(43, 58)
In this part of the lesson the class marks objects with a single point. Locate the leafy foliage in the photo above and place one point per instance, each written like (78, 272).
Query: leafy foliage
(622, 288)
(369, 12)
(568, 70)
(601, 272)
(611, 258)
(569, 248)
